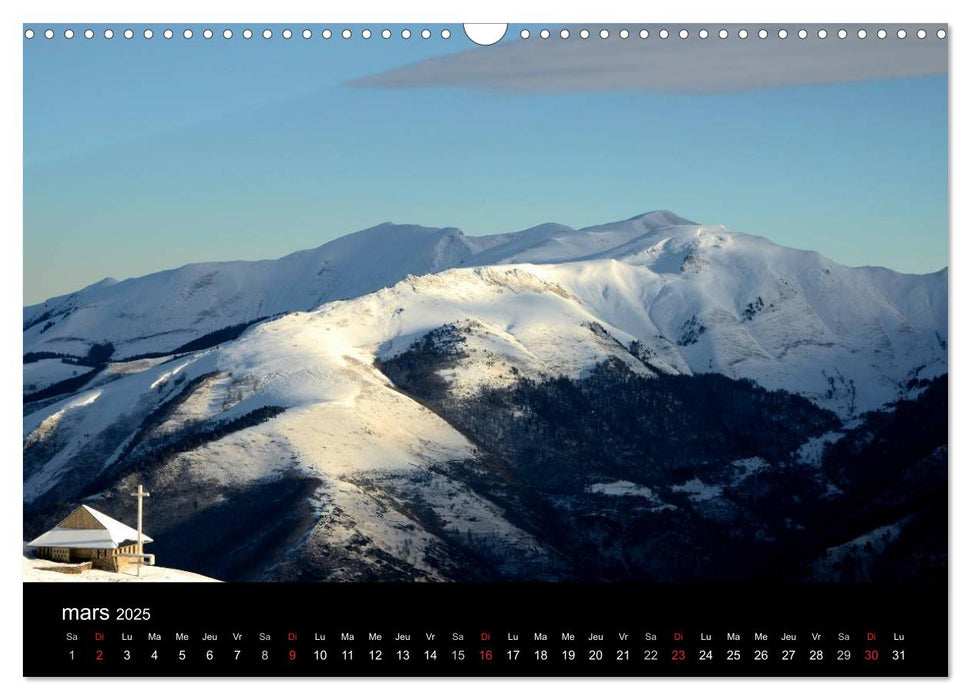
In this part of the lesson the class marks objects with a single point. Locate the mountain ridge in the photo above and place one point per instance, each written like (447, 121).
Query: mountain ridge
(211, 295)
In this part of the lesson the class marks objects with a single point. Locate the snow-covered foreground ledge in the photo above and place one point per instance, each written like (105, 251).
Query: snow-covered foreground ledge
(42, 570)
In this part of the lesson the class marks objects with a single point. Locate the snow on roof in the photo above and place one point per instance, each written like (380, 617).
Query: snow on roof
(72, 537)
(111, 535)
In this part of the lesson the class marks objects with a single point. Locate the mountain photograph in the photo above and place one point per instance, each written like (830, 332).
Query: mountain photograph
(753, 388)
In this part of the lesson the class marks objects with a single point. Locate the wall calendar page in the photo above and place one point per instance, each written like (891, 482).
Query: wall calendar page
(506, 350)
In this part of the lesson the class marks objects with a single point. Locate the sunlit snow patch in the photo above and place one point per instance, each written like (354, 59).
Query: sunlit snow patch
(811, 451)
(622, 488)
(698, 490)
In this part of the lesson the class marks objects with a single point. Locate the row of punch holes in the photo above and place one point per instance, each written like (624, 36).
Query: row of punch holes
(524, 34)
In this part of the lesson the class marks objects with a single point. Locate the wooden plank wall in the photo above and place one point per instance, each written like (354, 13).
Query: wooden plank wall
(80, 519)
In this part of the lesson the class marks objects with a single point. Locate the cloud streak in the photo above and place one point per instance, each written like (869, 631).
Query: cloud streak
(675, 65)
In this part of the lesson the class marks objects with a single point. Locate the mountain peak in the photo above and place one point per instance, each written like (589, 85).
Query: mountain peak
(659, 218)
(390, 227)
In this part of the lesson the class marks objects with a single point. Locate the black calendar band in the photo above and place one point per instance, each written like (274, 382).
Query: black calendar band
(581, 629)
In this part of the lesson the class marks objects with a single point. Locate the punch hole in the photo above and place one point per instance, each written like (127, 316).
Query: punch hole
(488, 34)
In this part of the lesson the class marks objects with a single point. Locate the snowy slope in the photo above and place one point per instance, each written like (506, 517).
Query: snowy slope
(342, 417)
(708, 301)
(42, 374)
(51, 572)
(344, 426)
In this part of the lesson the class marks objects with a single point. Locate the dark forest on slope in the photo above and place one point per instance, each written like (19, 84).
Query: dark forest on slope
(690, 440)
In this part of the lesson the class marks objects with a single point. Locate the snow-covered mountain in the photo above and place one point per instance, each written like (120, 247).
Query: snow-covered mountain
(700, 298)
(162, 311)
(360, 429)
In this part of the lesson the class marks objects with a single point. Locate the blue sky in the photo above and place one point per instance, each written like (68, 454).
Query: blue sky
(142, 155)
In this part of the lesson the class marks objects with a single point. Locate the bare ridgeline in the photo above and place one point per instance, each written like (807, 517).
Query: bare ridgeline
(649, 399)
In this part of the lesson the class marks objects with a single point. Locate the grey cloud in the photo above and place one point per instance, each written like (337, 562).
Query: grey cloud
(675, 65)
